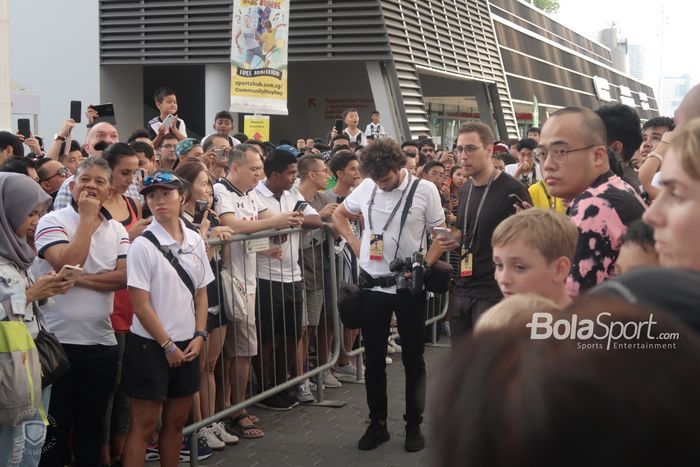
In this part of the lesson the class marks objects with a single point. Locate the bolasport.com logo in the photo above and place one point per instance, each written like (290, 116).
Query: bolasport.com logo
(602, 333)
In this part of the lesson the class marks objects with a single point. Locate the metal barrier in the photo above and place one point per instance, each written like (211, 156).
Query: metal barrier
(285, 366)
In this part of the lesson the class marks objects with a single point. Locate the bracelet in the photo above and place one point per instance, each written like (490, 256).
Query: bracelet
(166, 343)
(171, 347)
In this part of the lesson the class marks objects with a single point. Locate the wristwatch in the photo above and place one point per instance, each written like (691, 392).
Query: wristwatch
(58, 137)
(203, 334)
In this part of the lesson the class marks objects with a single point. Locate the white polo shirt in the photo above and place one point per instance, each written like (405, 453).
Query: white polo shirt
(511, 168)
(147, 269)
(81, 315)
(244, 206)
(287, 269)
(426, 212)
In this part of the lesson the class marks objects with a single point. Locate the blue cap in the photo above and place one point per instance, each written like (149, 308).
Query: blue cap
(288, 148)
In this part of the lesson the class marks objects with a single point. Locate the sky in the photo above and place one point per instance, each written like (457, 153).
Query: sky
(667, 28)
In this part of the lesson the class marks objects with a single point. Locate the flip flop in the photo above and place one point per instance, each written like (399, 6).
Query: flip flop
(243, 431)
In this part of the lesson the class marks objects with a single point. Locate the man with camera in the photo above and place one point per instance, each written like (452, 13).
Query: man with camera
(391, 261)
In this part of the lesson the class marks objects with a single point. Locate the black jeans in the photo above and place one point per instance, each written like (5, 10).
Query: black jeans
(463, 312)
(376, 318)
(78, 402)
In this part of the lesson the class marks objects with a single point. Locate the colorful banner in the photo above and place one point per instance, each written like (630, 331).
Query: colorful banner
(257, 127)
(259, 56)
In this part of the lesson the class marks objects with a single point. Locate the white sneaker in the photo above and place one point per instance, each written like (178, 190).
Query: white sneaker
(304, 393)
(393, 345)
(220, 432)
(389, 361)
(345, 370)
(330, 381)
(212, 441)
(389, 347)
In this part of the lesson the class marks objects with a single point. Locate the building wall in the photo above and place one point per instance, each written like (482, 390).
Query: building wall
(54, 52)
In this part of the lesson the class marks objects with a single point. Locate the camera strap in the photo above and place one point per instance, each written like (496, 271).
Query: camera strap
(404, 213)
(186, 279)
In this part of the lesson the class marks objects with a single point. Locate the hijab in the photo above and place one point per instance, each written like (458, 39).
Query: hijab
(19, 196)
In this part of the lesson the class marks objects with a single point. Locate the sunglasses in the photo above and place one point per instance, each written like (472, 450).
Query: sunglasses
(158, 177)
(62, 172)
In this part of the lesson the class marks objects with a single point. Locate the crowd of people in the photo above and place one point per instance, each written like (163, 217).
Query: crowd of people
(122, 251)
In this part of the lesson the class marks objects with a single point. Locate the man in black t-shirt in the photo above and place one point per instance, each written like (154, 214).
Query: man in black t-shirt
(484, 199)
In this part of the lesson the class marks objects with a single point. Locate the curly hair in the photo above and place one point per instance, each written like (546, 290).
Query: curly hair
(381, 158)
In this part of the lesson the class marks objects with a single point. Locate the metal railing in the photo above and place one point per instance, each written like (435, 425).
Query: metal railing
(233, 256)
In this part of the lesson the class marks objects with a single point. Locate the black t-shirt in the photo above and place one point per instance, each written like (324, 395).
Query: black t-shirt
(497, 207)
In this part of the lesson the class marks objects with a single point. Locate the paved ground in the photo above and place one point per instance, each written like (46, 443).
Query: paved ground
(320, 436)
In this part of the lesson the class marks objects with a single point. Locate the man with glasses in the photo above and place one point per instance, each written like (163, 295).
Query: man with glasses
(51, 174)
(166, 152)
(575, 167)
(483, 203)
(215, 156)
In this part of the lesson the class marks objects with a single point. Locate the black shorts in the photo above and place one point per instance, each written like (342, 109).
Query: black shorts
(216, 320)
(279, 309)
(147, 376)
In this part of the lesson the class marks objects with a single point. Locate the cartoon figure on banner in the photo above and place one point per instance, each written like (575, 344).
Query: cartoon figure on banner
(256, 40)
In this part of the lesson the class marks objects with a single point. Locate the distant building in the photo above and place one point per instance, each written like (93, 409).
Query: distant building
(639, 58)
(673, 88)
(611, 39)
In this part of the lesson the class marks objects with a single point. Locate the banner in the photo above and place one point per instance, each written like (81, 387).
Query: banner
(259, 56)
(535, 111)
(257, 127)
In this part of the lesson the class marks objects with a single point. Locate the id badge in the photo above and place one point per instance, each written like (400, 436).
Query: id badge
(466, 263)
(376, 247)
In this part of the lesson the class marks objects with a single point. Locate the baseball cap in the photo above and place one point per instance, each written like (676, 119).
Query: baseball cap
(184, 146)
(160, 179)
(288, 148)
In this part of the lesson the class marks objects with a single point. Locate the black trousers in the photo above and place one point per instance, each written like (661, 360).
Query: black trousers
(376, 318)
(463, 312)
(78, 402)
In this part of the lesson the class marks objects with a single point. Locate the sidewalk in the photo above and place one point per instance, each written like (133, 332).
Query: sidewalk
(320, 436)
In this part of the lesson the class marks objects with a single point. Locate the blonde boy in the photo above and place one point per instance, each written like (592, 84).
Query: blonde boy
(532, 252)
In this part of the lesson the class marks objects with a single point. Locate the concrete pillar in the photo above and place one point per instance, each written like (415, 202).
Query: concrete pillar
(217, 94)
(482, 102)
(123, 86)
(5, 101)
(381, 94)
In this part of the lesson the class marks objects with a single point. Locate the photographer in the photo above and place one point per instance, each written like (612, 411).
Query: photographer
(389, 239)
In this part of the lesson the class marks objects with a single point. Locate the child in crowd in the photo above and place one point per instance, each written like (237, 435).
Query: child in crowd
(166, 102)
(351, 119)
(532, 251)
(223, 126)
(637, 248)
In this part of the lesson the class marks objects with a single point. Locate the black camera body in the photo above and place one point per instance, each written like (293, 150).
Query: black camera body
(414, 265)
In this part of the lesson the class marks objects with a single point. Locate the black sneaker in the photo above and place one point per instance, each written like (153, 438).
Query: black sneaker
(291, 397)
(415, 441)
(375, 435)
(275, 402)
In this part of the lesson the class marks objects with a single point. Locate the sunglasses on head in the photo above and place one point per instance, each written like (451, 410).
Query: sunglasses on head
(158, 177)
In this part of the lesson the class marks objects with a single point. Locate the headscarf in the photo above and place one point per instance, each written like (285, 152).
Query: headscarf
(19, 196)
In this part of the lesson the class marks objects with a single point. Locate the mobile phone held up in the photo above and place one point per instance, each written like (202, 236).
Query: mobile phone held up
(200, 209)
(75, 111)
(168, 122)
(23, 127)
(339, 126)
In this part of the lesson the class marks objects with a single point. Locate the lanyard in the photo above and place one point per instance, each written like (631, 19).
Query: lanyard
(550, 199)
(478, 210)
(393, 213)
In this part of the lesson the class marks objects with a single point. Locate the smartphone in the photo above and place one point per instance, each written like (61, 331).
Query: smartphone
(105, 113)
(442, 232)
(75, 110)
(515, 199)
(69, 272)
(168, 122)
(23, 127)
(219, 153)
(339, 126)
(300, 206)
(200, 208)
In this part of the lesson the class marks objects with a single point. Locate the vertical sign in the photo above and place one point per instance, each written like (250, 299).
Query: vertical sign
(260, 35)
(257, 127)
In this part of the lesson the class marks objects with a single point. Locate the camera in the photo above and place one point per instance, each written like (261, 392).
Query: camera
(414, 265)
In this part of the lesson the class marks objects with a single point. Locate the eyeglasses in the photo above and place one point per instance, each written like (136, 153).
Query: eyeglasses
(62, 172)
(559, 153)
(469, 150)
(168, 146)
(158, 177)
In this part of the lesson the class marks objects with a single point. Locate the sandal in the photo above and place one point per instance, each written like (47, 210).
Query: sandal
(244, 431)
(251, 417)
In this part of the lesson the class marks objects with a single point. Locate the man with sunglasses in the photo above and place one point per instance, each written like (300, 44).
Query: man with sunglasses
(484, 202)
(51, 174)
(576, 168)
